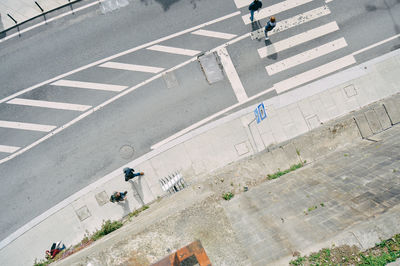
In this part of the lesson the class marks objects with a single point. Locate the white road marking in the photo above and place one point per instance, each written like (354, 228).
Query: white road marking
(313, 74)
(48, 20)
(242, 3)
(215, 34)
(132, 67)
(88, 85)
(376, 44)
(327, 1)
(274, 9)
(173, 50)
(300, 19)
(8, 149)
(232, 75)
(306, 56)
(47, 104)
(26, 126)
(298, 39)
(120, 54)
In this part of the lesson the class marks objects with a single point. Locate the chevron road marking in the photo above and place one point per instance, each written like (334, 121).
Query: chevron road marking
(88, 85)
(47, 104)
(132, 67)
(26, 126)
(173, 50)
(215, 34)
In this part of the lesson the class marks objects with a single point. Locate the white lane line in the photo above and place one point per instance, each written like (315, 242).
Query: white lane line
(88, 85)
(376, 44)
(48, 20)
(327, 1)
(232, 75)
(131, 67)
(8, 149)
(26, 126)
(274, 9)
(173, 50)
(47, 104)
(298, 39)
(313, 74)
(306, 56)
(242, 3)
(300, 19)
(215, 34)
(119, 55)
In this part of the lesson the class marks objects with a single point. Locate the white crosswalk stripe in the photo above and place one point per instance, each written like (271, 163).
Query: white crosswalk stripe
(314, 74)
(88, 85)
(298, 39)
(274, 9)
(306, 56)
(26, 126)
(215, 34)
(300, 19)
(8, 149)
(47, 104)
(132, 67)
(173, 50)
(242, 3)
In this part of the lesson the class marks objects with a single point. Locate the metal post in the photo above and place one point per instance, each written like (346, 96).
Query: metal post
(70, 5)
(252, 137)
(41, 9)
(16, 23)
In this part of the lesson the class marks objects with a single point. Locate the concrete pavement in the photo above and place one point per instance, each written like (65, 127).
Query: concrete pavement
(348, 194)
(222, 142)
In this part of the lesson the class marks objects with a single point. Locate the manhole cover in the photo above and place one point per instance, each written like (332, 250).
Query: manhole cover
(126, 151)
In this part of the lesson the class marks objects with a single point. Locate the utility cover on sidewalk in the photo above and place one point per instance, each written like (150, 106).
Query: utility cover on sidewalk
(211, 67)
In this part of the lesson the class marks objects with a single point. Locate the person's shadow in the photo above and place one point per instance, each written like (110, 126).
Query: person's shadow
(271, 50)
(125, 206)
(136, 184)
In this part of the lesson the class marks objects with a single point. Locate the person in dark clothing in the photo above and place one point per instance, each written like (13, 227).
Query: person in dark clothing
(254, 6)
(54, 250)
(129, 173)
(270, 26)
(118, 196)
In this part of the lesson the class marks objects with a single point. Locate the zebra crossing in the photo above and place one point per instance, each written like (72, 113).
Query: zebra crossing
(70, 84)
(278, 45)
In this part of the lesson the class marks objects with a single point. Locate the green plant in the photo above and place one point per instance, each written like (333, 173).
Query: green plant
(345, 155)
(136, 212)
(322, 204)
(106, 228)
(312, 208)
(227, 195)
(42, 262)
(298, 261)
(281, 173)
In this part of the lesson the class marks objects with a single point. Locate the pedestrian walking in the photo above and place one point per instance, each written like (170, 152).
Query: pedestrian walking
(253, 7)
(270, 26)
(118, 196)
(129, 173)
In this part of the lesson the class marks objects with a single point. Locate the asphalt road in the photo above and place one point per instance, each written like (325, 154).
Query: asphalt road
(46, 174)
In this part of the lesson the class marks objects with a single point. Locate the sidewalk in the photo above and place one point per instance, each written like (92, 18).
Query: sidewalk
(223, 142)
(355, 189)
(22, 10)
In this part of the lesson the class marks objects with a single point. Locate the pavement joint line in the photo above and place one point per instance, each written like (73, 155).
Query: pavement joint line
(48, 20)
(98, 62)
